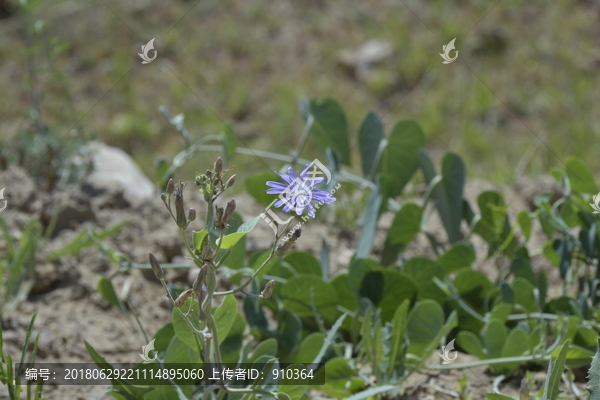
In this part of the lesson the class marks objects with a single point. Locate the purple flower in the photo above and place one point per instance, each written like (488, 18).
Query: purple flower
(299, 191)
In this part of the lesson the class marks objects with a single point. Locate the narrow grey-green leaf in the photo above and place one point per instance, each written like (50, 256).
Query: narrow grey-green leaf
(370, 216)
(496, 396)
(329, 339)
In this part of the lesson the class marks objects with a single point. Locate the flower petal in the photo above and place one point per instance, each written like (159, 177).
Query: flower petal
(276, 184)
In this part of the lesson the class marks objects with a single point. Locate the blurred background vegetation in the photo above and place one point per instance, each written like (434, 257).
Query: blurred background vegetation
(525, 71)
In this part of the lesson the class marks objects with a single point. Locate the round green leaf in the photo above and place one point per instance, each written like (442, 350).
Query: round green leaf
(225, 315)
(304, 263)
(181, 328)
(302, 293)
(580, 177)
(257, 187)
(387, 289)
(459, 256)
(401, 156)
(406, 225)
(422, 271)
(330, 126)
(425, 322)
(309, 348)
(494, 337)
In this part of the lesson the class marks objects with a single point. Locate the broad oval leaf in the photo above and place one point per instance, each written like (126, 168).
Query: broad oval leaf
(401, 158)
(231, 240)
(330, 126)
(580, 177)
(225, 315)
(387, 288)
(425, 323)
(304, 293)
(459, 256)
(257, 187)
(180, 326)
(370, 136)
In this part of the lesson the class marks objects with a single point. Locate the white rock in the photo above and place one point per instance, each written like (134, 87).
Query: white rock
(369, 54)
(115, 170)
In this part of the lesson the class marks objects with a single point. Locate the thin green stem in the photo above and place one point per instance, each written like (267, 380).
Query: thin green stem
(255, 274)
(213, 327)
(488, 362)
(257, 391)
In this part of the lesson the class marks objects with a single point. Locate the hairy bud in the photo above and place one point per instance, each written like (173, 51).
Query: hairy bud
(230, 182)
(170, 186)
(158, 271)
(183, 297)
(218, 167)
(179, 212)
(269, 287)
(191, 214)
(229, 209)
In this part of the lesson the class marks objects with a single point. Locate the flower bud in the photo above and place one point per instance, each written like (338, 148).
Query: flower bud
(230, 182)
(179, 212)
(269, 287)
(219, 222)
(163, 197)
(183, 297)
(170, 186)
(208, 173)
(191, 214)
(158, 271)
(207, 253)
(229, 209)
(218, 167)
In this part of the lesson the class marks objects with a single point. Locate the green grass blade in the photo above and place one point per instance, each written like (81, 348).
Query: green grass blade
(555, 370)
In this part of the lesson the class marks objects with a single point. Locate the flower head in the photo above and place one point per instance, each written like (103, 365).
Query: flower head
(299, 191)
